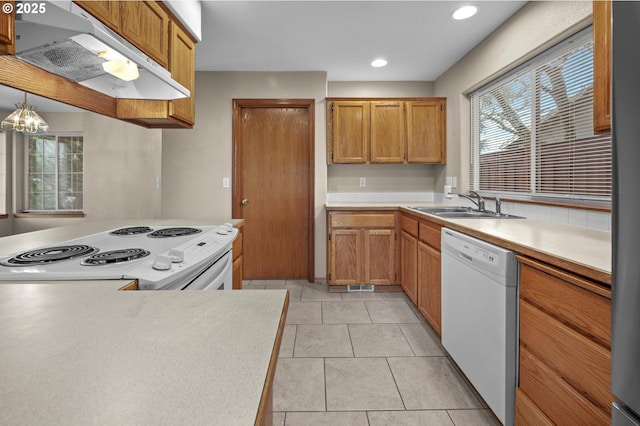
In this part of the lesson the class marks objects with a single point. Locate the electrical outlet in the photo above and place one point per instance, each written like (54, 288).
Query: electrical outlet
(448, 181)
(363, 182)
(454, 181)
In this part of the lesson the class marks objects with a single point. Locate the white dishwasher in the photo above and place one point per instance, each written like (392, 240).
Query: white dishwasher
(479, 317)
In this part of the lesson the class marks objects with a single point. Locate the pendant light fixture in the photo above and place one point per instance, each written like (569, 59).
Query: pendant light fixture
(25, 119)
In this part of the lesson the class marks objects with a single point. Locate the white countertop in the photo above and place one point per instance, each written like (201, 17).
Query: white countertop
(581, 250)
(84, 353)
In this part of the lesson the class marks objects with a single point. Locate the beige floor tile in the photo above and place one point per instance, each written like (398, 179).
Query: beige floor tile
(278, 419)
(361, 295)
(422, 339)
(431, 383)
(299, 385)
(252, 285)
(409, 418)
(394, 295)
(360, 384)
(288, 341)
(328, 418)
(319, 293)
(378, 340)
(304, 313)
(473, 418)
(391, 312)
(345, 313)
(322, 341)
(269, 283)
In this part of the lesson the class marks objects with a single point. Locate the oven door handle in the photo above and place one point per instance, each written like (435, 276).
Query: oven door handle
(215, 276)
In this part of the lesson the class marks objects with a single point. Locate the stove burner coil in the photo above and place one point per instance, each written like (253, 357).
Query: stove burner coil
(173, 232)
(49, 255)
(115, 256)
(131, 230)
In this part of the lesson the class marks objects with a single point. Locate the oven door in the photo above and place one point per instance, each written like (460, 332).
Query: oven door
(217, 276)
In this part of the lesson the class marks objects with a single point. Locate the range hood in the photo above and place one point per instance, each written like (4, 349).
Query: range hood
(67, 41)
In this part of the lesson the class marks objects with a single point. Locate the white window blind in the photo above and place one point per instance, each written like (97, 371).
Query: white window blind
(532, 130)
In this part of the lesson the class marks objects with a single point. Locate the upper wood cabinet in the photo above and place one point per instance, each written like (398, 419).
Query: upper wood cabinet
(7, 31)
(182, 64)
(394, 130)
(602, 66)
(348, 125)
(108, 12)
(146, 24)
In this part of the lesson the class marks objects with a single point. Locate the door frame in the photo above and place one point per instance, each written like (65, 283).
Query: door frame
(237, 182)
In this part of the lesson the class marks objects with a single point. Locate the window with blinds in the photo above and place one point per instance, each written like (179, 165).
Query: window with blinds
(532, 130)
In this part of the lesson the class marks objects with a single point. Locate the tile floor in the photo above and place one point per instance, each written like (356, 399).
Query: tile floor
(357, 359)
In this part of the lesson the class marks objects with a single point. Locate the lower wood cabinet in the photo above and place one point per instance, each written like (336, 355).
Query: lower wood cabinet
(361, 248)
(565, 348)
(237, 259)
(420, 241)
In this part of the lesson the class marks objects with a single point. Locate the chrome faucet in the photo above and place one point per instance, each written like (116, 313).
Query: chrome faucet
(479, 203)
(498, 206)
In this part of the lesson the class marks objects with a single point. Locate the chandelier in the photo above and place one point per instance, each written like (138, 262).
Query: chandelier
(25, 119)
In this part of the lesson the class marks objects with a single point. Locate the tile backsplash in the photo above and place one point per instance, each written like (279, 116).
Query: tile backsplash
(575, 217)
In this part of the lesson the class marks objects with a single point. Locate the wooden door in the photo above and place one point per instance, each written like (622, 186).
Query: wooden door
(409, 248)
(426, 131)
(387, 132)
(379, 256)
(348, 131)
(273, 186)
(345, 257)
(429, 287)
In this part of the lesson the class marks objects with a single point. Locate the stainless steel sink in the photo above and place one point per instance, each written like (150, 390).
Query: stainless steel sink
(459, 212)
(436, 210)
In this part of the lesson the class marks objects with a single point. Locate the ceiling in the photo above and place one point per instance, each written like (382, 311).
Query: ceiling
(418, 38)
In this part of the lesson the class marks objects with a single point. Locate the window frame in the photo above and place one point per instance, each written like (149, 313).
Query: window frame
(27, 210)
(567, 199)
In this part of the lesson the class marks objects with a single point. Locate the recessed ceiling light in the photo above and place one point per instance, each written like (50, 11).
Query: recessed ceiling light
(465, 12)
(379, 63)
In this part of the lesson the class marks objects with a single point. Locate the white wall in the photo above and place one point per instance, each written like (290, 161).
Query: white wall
(195, 161)
(121, 162)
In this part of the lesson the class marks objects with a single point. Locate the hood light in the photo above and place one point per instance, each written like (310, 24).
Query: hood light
(465, 12)
(379, 63)
(25, 119)
(119, 66)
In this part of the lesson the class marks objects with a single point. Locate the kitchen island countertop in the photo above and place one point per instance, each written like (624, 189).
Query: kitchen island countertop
(85, 353)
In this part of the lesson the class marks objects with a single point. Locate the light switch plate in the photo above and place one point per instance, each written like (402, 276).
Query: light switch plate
(225, 182)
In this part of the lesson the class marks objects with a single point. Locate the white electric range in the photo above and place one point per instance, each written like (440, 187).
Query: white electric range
(159, 257)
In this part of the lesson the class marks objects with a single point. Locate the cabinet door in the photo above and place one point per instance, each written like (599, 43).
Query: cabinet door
(7, 31)
(379, 258)
(409, 248)
(426, 131)
(348, 132)
(602, 66)
(387, 132)
(182, 67)
(345, 257)
(146, 24)
(107, 11)
(429, 286)
(237, 273)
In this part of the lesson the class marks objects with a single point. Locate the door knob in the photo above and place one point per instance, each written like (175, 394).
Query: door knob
(244, 202)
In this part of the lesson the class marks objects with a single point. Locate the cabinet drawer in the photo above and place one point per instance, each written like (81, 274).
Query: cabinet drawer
(584, 310)
(409, 225)
(582, 363)
(362, 220)
(430, 234)
(558, 400)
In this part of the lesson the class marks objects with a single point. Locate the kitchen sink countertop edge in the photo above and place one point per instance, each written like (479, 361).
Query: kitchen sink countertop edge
(584, 251)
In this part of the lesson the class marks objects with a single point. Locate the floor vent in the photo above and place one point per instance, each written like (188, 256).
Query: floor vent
(368, 287)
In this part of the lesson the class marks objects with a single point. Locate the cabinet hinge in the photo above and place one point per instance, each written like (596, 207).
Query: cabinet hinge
(332, 157)
(332, 107)
(441, 107)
